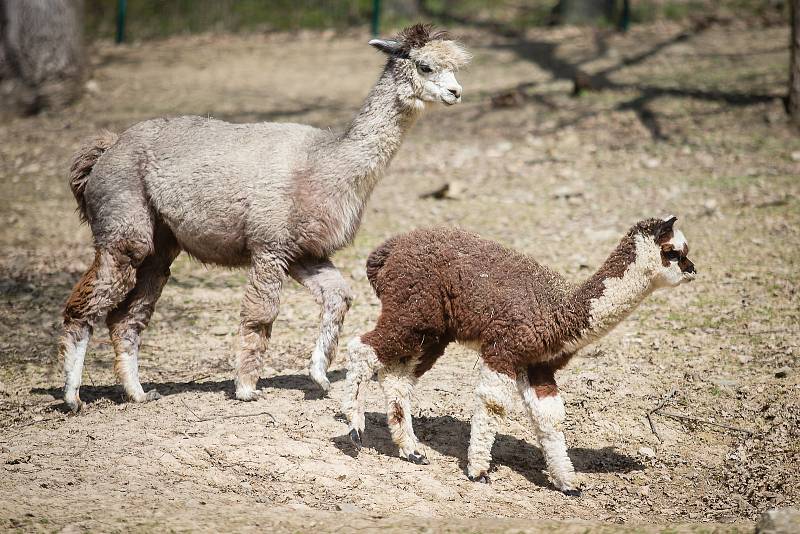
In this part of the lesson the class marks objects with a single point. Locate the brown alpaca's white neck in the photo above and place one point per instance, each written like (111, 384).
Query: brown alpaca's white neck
(611, 293)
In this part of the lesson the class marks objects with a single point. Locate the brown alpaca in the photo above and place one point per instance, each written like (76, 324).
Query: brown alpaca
(443, 285)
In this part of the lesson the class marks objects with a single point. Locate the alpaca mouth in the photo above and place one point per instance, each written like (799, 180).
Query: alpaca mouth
(689, 276)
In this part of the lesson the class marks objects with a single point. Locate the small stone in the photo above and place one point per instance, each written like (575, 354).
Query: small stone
(219, 330)
(779, 521)
(744, 358)
(783, 372)
(651, 163)
(643, 491)
(709, 207)
(348, 508)
(796, 155)
(92, 87)
(647, 452)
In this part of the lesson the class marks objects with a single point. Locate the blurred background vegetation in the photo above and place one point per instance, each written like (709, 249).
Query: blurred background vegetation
(153, 19)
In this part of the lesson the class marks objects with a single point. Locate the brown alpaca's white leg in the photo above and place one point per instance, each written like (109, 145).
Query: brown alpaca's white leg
(259, 310)
(361, 364)
(111, 276)
(130, 318)
(493, 402)
(334, 296)
(397, 381)
(546, 409)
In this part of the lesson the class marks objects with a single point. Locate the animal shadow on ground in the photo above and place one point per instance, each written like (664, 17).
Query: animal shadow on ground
(450, 436)
(116, 395)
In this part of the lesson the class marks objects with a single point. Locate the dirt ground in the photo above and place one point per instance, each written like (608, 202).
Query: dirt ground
(690, 124)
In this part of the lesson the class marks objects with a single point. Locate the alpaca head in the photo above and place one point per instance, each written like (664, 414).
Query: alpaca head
(665, 250)
(424, 62)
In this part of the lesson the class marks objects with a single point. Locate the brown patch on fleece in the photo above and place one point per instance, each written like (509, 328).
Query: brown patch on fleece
(396, 415)
(444, 284)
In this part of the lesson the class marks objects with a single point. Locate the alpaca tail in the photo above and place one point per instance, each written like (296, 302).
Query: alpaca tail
(82, 163)
(376, 261)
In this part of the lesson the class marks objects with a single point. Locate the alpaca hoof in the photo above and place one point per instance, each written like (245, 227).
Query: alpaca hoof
(571, 492)
(247, 394)
(418, 458)
(321, 379)
(482, 478)
(75, 406)
(355, 437)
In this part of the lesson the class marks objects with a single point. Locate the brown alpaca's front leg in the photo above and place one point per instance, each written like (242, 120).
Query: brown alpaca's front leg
(259, 310)
(493, 401)
(334, 296)
(546, 409)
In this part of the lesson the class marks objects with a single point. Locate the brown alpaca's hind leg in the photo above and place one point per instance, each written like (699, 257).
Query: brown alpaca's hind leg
(493, 402)
(259, 310)
(130, 318)
(333, 294)
(103, 286)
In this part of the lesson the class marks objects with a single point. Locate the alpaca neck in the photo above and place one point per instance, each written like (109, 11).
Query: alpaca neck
(375, 134)
(611, 293)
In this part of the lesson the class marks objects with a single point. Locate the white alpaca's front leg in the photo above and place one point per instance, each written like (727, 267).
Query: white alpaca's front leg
(547, 414)
(259, 310)
(333, 294)
(362, 361)
(493, 402)
(397, 381)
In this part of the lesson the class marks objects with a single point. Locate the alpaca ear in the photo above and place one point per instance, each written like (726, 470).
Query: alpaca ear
(387, 46)
(665, 227)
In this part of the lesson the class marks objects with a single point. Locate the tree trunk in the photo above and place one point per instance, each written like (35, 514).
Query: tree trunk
(41, 54)
(793, 105)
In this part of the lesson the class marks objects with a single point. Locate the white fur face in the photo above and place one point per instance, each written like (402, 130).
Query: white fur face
(435, 65)
(426, 74)
(674, 267)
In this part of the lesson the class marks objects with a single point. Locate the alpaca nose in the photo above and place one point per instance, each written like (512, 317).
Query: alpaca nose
(455, 91)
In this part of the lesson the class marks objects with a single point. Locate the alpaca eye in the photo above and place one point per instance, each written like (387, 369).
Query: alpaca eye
(672, 255)
(425, 68)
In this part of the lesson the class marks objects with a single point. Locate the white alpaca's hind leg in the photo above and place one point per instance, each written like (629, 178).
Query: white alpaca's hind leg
(493, 402)
(361, 364)
(547, 414)
(398, 381)
(73, 347)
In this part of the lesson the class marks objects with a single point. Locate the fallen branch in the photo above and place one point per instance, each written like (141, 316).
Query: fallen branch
(704, 422)
(220, 417)
(661, 404)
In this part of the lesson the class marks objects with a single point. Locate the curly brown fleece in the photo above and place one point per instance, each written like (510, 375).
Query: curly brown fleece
(442, 285)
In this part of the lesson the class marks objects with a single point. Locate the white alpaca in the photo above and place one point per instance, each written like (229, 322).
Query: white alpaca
(279, 198)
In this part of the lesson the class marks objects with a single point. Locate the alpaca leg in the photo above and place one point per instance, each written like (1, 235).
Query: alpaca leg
(103, 286)
(332, 293)
(362, 361)
(130, 318)
(546, 409)
(494, 400)
(259, 310)
(397, 381)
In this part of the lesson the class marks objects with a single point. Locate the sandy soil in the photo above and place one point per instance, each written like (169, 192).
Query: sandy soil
(687, 125)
